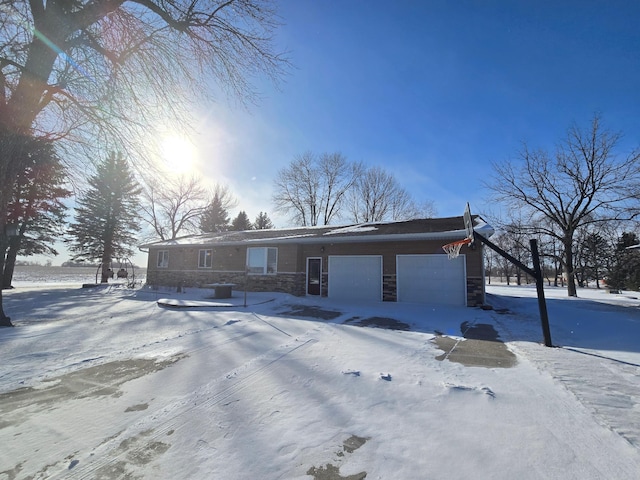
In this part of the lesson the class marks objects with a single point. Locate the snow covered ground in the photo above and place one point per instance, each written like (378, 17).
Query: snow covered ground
(105, 383)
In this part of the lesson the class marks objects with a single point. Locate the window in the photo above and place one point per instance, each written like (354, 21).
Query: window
(163, 258)
(205, 259)
(262, 261)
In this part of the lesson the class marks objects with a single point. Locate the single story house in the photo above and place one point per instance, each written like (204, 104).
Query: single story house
(387, 261)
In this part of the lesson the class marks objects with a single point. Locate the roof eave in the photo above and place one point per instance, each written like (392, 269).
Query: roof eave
(326, 239)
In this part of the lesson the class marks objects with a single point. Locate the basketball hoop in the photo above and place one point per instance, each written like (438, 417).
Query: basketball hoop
(453, 249)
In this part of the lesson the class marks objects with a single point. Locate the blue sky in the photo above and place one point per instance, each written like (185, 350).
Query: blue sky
(434, 91)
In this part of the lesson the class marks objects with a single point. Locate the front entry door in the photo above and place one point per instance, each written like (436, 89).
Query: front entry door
(314, 276)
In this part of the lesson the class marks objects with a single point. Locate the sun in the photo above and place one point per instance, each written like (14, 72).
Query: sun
(178, 154)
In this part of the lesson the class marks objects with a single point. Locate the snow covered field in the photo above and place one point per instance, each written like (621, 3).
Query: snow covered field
(27, 275)
(104, 383)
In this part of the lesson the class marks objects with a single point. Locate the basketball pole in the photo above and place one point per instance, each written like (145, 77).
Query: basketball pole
(542, 303)
(536, 273)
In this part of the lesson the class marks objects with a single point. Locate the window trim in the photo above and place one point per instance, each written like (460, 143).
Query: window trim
(209, 256)
(265, 261)
(162, 260)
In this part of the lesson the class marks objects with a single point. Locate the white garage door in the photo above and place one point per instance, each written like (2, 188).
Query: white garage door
(355, 277)
(433, 279)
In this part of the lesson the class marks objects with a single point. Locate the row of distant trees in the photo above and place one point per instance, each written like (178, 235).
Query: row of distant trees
(602, 259)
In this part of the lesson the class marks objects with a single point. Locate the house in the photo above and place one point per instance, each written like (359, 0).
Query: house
(390, 261)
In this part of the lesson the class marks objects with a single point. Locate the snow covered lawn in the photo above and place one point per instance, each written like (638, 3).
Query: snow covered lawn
(106, 384)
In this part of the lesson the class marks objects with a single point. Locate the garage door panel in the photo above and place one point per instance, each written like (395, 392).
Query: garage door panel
(433, 279)
(357, 277)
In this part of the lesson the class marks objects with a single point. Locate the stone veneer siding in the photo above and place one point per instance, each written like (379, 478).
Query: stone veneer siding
(475, 291)
(389, 288)
(293, 283)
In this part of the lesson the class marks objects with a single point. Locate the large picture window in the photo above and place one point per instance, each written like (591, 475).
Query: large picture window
(163, 259)
(205, 259)
(262, 260)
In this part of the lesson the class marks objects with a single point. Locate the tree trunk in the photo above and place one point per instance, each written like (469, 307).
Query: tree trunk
(571, 279)
(4, 320)
(106, 273)
(10, 262)
(107, 255)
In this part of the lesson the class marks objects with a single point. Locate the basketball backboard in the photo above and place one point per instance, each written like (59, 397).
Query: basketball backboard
(468, 223)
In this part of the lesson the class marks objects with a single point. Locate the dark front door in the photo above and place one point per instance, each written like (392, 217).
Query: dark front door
(314, 275)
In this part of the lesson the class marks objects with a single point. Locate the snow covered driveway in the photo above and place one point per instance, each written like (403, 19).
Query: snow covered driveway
(106, 384)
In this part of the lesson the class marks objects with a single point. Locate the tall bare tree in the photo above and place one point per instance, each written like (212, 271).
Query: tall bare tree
(313, 189)
(92, 72)
(172, 206)
(584, 181)
(378, 196)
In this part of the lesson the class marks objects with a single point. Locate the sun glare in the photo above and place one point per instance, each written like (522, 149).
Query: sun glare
(178, 154)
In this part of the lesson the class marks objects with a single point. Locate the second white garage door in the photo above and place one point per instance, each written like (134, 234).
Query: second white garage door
(433, 279)
(355, 277)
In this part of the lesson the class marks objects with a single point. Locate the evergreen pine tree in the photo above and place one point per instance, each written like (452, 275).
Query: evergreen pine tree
(263, 222)
(241, 222)
(215, 217)
(625, 271)
(106, 218)
(36, 205)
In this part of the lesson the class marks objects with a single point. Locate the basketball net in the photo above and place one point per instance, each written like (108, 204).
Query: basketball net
(453, 249)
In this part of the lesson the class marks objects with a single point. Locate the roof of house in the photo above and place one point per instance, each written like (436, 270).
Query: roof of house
(449, 228)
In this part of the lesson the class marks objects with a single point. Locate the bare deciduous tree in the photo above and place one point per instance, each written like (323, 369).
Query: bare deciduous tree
(173, 206)
(377, 196)
(584, 181)
(312, 189)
